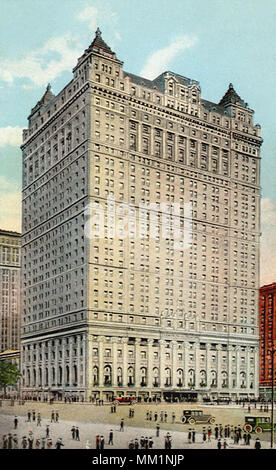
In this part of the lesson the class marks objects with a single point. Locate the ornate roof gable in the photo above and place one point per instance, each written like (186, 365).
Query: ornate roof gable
(232, 97)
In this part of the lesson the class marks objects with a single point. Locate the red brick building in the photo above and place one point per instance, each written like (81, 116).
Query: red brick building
(267, 327)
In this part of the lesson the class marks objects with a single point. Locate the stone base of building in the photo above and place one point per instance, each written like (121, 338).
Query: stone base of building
(109, 394)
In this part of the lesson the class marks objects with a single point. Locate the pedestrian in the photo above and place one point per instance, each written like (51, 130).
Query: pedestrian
(4, 442)
(37, 444)
(110, 440)
(219, 444)
(168, 441)
(204, 435)
(122, 425)
(52, 417)
(131, 445)
(165, 416)
(257, 443)
(129, 413)
(146, 443)
(225, 444)
(73, 431)
(77, 434)
(87, 445)
(248, 439)
(150, 415)
(102, 442)
(43, 443)
(38, 419)
(216, 431)
(15, 441)
(10, 439)
(33, 415)
(147, 415)
(30, 441)
(59, 443)
(15, 422)
(193, 436)
(49, 443)
(150, 443)
(136, 444)
(29, 417)
(24, 442)
(173, 417)
(209, 433)
(155, 416)
(142, 442)
(57, 417)
(161, 416)
(97, 441)
(157, 430)
(190, 436)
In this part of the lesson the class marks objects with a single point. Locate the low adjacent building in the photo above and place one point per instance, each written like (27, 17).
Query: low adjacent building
(267, 338)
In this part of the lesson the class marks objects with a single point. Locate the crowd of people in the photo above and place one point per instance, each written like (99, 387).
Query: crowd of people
(225, 436)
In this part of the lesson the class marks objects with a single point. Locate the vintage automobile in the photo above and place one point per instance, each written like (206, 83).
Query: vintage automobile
(258, 424)
(124, 400)
(196, 417)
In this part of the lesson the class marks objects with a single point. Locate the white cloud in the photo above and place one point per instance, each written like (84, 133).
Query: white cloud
(268, 242)
(159, 61)
(37, 67)
(89, 14)
(10, 136)
(10, 206)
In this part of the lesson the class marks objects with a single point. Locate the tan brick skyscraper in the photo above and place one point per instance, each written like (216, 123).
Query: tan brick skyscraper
(104, 316)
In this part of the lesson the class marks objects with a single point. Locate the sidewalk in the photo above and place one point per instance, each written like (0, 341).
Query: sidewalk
(88, 432)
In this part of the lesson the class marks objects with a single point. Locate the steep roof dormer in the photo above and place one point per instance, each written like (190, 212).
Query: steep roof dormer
(232, 97)
(46, 98)
(99, 47)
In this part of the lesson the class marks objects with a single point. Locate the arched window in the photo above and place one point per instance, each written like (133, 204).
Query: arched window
(39, 377)
(143, 376)
(191, 378)
(75, 375)
(53, 376)
(243, 379)
(34, 377)
(119, 376)
(107, 375)
(155, 374)
(224, 377)
(60, 375)
(95, 375)
(203, 378)
(168, 377)
(213, 378)
(180, 377)
(130, 374)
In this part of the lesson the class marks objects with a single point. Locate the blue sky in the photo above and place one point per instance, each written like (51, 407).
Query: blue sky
(212, 41)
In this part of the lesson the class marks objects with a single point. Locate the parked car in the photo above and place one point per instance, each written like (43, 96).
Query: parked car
(127, 400)
(258, 424)
(196, 417)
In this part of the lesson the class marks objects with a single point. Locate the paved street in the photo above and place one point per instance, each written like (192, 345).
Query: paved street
(92, 420)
